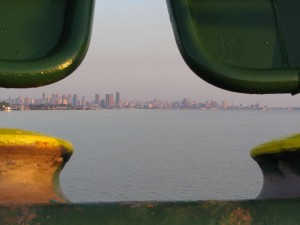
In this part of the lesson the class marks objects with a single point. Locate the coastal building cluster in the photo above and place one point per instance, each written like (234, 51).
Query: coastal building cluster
(114, 101)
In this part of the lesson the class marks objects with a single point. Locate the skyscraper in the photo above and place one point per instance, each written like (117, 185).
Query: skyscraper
(102, 103)
(118, 104)
(97, 99)
(186, 103)
(20, 100)
(75, 100)
(82, 101)
(27, 101)
(44, 97)
(109, 100)
(69, 99)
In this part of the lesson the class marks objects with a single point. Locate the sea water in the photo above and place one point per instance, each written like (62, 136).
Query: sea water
(123, 155)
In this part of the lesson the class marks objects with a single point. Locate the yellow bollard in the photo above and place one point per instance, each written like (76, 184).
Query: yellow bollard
(30, 164)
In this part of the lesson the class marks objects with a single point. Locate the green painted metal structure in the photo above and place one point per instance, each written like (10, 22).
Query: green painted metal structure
(238, 45)
(241, 46)
(255, 212)
(42, 41)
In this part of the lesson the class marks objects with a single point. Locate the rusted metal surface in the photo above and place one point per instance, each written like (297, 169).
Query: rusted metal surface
(30, 164)
(159, 213)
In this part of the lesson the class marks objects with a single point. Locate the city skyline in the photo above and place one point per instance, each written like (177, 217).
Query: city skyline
(114, 100)
(133, 50)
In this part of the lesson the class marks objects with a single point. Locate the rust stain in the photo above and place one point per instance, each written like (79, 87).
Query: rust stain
(150, 205)
(26, 217)
(137, 204)
(42, 144)
(216, 207)
(28, 178)
(238, 217)
(217, 204)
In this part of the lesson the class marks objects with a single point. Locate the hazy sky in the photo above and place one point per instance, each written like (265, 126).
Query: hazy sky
(133, 51)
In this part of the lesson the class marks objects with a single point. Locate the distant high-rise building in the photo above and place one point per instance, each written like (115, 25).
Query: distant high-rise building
(82, 101)
(44, 97)
(49, 99)
(75, 100)
(52, 99)
(186, 103)
(20, 100)
(27, 101)
(109, 101)
(69, 99)
(102, 103)
(65, 101)
(225, 105)
(97, 99)
(64, 97)
(118, 103)
(208, 104)
(58, 100)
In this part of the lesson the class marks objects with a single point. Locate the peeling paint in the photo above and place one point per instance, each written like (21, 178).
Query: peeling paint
(25, 216)
(238, 216)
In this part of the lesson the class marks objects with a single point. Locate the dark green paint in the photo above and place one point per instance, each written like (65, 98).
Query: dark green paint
(159, 213)
(241, 46)
(43, 41)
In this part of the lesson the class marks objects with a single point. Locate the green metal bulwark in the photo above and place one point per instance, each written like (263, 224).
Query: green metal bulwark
(43, 41)
(281, 212)
(241, 46)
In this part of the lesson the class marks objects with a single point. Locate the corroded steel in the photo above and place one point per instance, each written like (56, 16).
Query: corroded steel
(253, 212)
(238, 45)
(30, 164)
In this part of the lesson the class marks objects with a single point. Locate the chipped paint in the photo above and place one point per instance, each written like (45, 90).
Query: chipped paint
(238, 216)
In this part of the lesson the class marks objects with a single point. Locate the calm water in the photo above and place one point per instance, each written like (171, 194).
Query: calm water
(159, 155)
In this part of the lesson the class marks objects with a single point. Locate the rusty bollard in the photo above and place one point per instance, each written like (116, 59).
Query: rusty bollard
(279, 161)
(30, 164)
